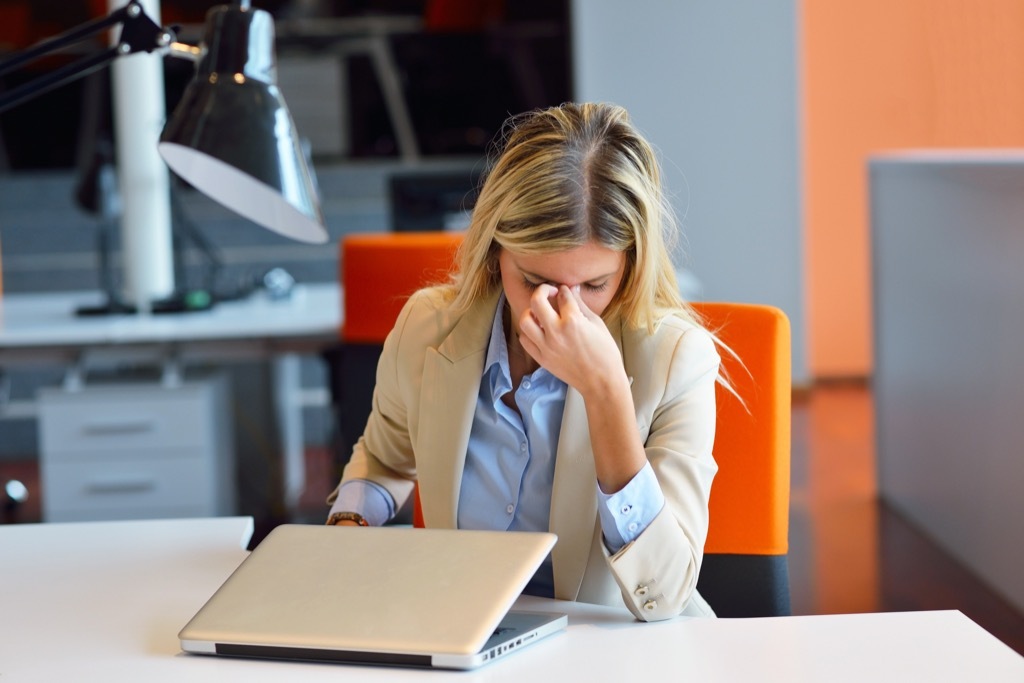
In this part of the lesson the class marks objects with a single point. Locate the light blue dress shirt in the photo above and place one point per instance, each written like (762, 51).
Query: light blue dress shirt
(510, 465)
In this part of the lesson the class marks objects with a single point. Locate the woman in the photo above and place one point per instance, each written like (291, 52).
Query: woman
(558, 382)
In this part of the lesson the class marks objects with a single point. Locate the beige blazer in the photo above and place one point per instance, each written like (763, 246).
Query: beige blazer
(427, 383)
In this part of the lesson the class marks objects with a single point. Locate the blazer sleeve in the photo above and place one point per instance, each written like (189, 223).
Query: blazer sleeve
(657, 572)
(384, 453)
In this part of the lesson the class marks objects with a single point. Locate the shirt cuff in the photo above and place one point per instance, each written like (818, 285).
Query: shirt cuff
(626, 513)
(369, 499)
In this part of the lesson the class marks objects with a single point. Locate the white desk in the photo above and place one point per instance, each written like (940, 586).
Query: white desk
(104, 601)
(41, 329)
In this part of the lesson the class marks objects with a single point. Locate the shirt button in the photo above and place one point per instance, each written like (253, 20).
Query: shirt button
(526, 384)
(522, 447)
(632, 526)
(640, 591)
(651, 605)
(626, 509)
(510, 509)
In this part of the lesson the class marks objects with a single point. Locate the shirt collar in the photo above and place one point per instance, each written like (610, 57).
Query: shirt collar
(497, 348)
(496, 366)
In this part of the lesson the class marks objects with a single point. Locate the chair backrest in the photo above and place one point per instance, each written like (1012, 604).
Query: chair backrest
(379, 271)
(745, 565)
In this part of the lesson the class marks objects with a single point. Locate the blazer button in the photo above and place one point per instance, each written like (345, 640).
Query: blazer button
(651, 605)
(640, 591)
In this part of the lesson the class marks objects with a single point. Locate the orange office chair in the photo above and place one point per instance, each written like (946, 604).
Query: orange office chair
(378, 273)
(745, 571)
(745, 565)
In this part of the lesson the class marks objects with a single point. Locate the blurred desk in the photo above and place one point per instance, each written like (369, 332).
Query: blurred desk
(42, 329)
(102, 601)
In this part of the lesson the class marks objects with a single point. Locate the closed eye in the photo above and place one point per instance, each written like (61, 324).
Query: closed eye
(589, 286)
(530, 285)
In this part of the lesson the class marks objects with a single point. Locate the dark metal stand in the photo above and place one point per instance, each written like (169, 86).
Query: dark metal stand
(139, 33)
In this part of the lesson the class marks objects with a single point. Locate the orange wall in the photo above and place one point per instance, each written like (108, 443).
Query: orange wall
(879, 75)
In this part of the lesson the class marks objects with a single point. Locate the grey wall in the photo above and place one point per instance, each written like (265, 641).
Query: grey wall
(714, 86)
(949, 369)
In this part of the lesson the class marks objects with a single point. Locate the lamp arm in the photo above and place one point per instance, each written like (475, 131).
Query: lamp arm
(185, 51)
(49, 81)
(63, 40)
(139, 33)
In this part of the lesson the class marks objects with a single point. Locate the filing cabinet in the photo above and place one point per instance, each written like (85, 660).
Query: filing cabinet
(136, 451)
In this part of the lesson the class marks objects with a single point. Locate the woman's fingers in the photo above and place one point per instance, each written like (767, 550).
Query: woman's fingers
(569, 301)
(530, 328)
(540, 306)
(581, 305)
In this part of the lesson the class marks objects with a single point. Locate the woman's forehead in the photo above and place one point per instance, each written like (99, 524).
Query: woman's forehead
(586, 263)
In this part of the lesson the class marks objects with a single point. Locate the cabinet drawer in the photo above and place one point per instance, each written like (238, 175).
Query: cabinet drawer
(137, 488)
(124, 418)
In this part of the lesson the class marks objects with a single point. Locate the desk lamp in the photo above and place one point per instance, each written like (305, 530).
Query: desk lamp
(231, 136)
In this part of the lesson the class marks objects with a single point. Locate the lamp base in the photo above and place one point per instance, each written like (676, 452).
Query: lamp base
(191, 301)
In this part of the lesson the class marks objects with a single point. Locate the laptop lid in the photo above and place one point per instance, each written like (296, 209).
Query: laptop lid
(390, 595)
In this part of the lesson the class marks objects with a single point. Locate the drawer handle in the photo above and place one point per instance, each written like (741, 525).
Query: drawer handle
(118, 428)
(117, 486)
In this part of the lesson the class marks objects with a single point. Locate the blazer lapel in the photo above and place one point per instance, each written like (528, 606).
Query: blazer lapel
(574, 493)
(573, 498)
(450, 383)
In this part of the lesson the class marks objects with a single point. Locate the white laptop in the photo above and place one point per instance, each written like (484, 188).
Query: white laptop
(385, 595)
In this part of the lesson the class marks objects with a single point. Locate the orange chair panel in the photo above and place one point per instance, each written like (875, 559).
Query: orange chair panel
(380, 271)
(15, 25)
(417, 508)
(749, 507)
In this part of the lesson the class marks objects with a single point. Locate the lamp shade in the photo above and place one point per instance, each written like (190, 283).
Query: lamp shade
(232, 137)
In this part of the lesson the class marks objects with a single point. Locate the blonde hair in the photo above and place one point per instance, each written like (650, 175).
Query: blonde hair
(561, 178)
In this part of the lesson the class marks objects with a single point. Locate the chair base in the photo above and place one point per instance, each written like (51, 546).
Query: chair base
(746, 585)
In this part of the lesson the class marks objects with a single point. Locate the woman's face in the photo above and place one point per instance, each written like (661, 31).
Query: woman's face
(594, 268)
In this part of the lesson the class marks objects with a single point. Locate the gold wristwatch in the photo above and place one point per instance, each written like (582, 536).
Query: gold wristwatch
(347, 517)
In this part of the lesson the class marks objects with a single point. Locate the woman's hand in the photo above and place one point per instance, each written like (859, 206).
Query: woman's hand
(573, 344)
(570, 341)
